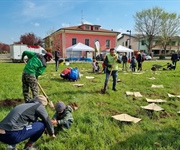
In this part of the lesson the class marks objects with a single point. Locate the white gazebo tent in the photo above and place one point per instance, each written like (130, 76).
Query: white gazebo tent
(123, 49)
(77, 49)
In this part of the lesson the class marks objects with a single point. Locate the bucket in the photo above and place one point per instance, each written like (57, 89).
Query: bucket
(67, 63)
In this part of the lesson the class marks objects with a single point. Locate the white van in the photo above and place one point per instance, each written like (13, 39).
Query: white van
(16, 51)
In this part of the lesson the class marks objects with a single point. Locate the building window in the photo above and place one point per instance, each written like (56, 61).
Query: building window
(126, 43)
(51, 43)
(73, 41)
(87, 27)
(107, 43)
(96, 28)
(87, 42)
(173, 43)
(142, 42)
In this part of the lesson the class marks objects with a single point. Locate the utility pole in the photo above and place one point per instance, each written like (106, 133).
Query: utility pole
(129, 38)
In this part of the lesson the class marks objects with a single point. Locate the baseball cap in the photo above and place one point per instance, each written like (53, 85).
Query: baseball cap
(60, 106)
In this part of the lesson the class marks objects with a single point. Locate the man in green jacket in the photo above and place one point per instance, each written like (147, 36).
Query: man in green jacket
(35, 66)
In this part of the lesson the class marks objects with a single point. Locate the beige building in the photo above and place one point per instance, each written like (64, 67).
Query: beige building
(129, 41)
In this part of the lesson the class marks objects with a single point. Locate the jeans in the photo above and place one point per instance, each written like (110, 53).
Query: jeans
(33, 131)
(114, 74)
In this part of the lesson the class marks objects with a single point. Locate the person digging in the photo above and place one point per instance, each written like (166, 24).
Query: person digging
(111, 62)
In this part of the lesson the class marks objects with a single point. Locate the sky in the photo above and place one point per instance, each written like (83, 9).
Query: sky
(41, 17)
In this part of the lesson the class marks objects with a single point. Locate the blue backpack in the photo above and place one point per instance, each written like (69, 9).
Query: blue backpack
(74, 74)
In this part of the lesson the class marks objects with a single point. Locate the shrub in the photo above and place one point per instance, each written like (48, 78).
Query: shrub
(161, 57)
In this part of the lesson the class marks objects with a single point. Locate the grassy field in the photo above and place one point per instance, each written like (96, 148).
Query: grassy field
(94, 128)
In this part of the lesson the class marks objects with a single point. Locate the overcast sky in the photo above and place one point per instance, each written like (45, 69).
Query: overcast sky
(41, 16)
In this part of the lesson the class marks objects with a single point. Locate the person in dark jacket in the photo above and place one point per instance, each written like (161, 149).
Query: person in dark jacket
(124, 62)
(133, 64)
(35, 66)
(22, 123)
(57, 56)
(63, 116)
(174, 59)
(140, 60)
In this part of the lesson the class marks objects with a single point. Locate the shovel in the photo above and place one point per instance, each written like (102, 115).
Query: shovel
(50, 102)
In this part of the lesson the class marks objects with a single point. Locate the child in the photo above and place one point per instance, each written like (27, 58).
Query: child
(170, 66)
(97, 67)
(63, 116)
(133, 64)
(94, 65)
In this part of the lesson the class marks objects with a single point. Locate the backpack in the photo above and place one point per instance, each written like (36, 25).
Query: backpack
(74, 74)
(65, 73)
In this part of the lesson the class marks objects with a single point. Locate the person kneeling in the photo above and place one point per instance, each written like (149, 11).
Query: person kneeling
(22, 123)
(63, 116)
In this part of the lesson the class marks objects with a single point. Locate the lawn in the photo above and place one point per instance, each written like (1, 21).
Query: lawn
(94, 128)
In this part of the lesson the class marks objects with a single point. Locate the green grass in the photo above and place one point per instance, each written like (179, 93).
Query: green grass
(94, 128)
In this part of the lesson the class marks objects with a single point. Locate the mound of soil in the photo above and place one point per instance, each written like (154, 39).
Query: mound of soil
(10, 102)
(73, 105)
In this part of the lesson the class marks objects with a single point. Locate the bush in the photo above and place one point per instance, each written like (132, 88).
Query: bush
(161, 57)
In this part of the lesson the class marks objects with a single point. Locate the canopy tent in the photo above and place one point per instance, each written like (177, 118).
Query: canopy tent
(76, 50)
(123, 49)
(80, 47)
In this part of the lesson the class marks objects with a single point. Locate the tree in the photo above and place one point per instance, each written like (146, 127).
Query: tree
(30, 39)
(170, 28)
(53, 42)
(4, 48)
(148, 24)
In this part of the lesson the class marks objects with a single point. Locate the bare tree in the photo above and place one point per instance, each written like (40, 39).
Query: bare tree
(53, 40)
(148, 25)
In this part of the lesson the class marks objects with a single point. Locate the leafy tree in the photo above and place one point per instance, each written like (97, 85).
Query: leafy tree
(30, 39)
(148, 24)
(170, 28)
(4, 48)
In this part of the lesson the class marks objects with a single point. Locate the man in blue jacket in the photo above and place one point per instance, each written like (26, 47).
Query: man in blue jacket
(22, 123)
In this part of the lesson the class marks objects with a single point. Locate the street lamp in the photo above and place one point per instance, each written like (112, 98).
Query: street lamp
(129, 38)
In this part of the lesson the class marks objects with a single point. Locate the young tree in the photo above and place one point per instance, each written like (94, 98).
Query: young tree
(170, 28)
(148, 24)
(4, 48)
(54, 41)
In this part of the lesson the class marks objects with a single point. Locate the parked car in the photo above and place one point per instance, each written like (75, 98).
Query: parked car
(147, 57)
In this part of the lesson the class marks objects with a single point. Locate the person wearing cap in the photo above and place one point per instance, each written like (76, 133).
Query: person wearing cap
(35, 67)
(22, 123)
(63, 116)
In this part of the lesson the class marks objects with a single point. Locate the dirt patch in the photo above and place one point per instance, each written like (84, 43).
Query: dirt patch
(10, 102)
(102, 103)
(73, 105)
(114, 112)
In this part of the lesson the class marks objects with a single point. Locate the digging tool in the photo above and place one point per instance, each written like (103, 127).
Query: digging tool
(50, 102)
(103, 91)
